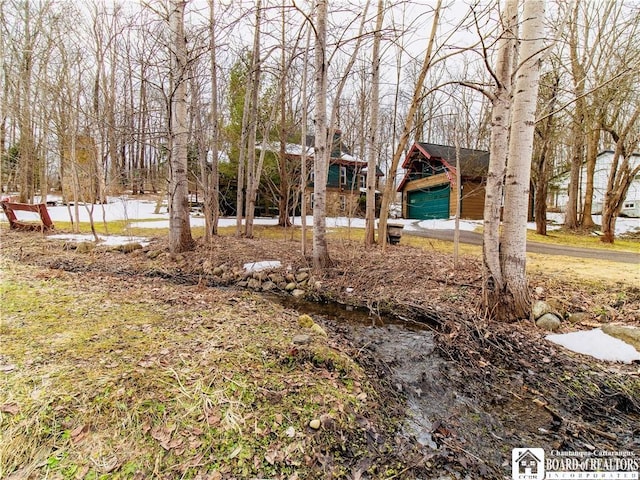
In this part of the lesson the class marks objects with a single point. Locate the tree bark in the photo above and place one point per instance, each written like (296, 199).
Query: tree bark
(493, 282)
(180, 238)
(370, 217)
(515, 300)
(389, 187)
(321, 154)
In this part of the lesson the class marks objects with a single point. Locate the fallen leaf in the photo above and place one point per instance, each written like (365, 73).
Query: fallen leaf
(11, 408)
(78, 433)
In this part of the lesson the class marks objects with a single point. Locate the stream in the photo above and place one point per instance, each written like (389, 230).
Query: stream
(407, 352)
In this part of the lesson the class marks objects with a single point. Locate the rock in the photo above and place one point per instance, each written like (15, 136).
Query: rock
(281, 285)
(207, 267)
(268, 286)
(253, 283)
(290, 287)
(260, 276)
(298, 293)
(317, 285)
(578, 317)
(276, 278)
(628, 335)
(85, 247)
(153, 254)
(315, 424)
(305, 321)
(218, 271)
(242, 284)
(128, 247)
(315, 328)
(301, 339)
(290, 277)
(539, 308)
(549, 322)
(539, 291)
(302, 276)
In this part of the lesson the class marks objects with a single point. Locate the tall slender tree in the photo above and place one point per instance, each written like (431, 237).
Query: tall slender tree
(372, 163)
(180, 238)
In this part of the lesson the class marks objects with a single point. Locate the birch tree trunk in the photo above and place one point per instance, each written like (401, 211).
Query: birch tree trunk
(515, 299)
(493, 282)
(180, 238)
(321, 152)
(370, 217)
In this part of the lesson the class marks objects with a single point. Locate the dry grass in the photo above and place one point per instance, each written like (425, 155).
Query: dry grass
(125, 379)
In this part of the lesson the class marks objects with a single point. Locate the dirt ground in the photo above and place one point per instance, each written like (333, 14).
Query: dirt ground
(496, 386)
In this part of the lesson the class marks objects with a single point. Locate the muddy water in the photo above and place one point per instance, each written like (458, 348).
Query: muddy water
(407, 353)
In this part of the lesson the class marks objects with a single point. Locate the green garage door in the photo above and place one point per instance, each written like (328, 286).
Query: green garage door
(429, 202)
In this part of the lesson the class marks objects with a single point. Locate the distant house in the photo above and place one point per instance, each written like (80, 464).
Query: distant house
(346, 176)
(559, 194)
(426, 188)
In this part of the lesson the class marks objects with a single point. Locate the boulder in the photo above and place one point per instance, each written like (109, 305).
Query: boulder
(549, 322)
(630, 335)
(290, 287)
(253, 283)
(301, 339)
(218, 271)
(578, 317)
(298, 293)
(302, 276)
(268, 286)
(540, 308)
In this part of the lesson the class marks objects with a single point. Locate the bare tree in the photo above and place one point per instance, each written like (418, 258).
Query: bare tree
(321, 153)
(514, 300)
(372, 162)
(621, 174)
(180, 238)
(389, 187)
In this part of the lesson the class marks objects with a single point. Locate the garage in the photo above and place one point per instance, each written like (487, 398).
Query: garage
(429, 203)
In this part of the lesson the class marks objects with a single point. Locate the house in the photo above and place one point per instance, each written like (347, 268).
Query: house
(559, 192)
(429, 175)
(346, 176)
(528, 463)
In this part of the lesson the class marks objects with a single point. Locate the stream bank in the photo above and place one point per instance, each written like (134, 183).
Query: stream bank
(479, 388)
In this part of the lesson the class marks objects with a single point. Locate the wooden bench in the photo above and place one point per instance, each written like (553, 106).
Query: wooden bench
(10, 208)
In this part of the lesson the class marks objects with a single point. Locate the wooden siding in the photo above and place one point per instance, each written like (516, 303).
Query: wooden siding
(427, 182)
(472, 201)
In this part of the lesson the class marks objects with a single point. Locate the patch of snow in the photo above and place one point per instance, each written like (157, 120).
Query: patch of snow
(449, 224)
(263, 265)
(110, 240)
(597, 344)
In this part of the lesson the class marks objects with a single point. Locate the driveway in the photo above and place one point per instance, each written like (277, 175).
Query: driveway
(475, 238)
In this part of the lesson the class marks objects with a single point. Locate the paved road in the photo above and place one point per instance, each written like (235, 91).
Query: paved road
(475, 238)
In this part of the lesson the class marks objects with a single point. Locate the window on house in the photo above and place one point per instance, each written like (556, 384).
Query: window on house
(343, 175)
(629, 205)
(311, 200)
(363, 181)
(312, 175)
(343, 203)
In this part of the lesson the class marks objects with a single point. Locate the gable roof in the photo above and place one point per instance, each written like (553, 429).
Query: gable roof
(473, 163)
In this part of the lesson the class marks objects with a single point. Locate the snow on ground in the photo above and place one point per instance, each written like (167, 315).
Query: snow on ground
(597, 344)
(110, 240)
(263, 265)
(135, 210)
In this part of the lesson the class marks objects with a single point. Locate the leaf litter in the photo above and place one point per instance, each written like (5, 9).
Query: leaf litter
(164, 377)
